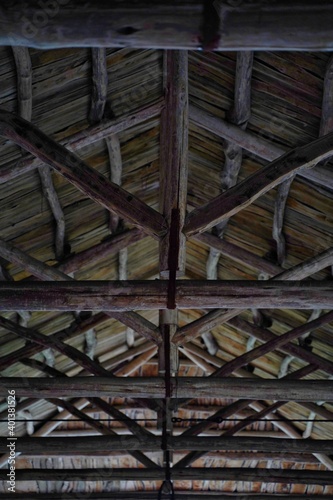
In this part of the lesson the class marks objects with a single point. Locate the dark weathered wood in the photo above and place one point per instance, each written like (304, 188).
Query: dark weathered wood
(73, 330)
(103, 444)
(239, 115)
(24, 95)
(326, 124)
(182, 24)
(174, 154)
(85, 178)
(153, 387)
(83, 138)
(254, 144)
(100, 427)
(106, 248)
(238, 254)
(99, 84)
(276, 343)
(181, 495)
(214, 473)
(49, 342)
(235, 199)
(213, 318)
(126, 296)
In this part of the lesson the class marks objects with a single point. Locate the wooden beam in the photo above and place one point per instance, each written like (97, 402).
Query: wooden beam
(129, 295)
(83, 138)
(238, 115)
(103, 444)
(181, 495)
(159, 24)
(85, 178)
(214, 318)
(188, 387)
(174, 158)
(243, 194)
(254, 144)
(212, 473)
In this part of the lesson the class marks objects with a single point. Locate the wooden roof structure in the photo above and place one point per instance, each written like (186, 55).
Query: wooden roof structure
(166, 250)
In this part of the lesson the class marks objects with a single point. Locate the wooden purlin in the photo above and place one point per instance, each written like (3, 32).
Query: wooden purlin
(291, 476)
(24, 93)
(154, 387)
(184, 24)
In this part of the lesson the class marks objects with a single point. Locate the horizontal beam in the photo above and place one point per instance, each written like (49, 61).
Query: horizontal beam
(154, 387)
(211, 473)
(131, 295)
(105, 444)
(143, 495)
(281, 25)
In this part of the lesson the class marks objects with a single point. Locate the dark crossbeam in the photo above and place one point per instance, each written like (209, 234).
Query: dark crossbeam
(131, 295)
(302, 24)
(104, 444)
(213, 473)
(154, 387)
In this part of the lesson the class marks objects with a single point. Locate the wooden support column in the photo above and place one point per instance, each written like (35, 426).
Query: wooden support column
(291, 476)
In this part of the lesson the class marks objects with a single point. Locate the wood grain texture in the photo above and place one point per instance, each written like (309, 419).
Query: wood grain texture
(161, 25)
(247, 191)
(174, 155)
(90, 182)
(260, 475)
(153, 387)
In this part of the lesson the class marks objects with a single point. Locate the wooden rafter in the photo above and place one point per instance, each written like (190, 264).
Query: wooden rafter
(243, 194)
(85, 178)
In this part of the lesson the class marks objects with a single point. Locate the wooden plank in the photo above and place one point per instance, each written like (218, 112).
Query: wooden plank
(129, 295)
(85, 178)
(243, 194)
(254, 144)
(153, 387)
(103, 444)
(159, 24)
(213, 473)
(174, 157)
